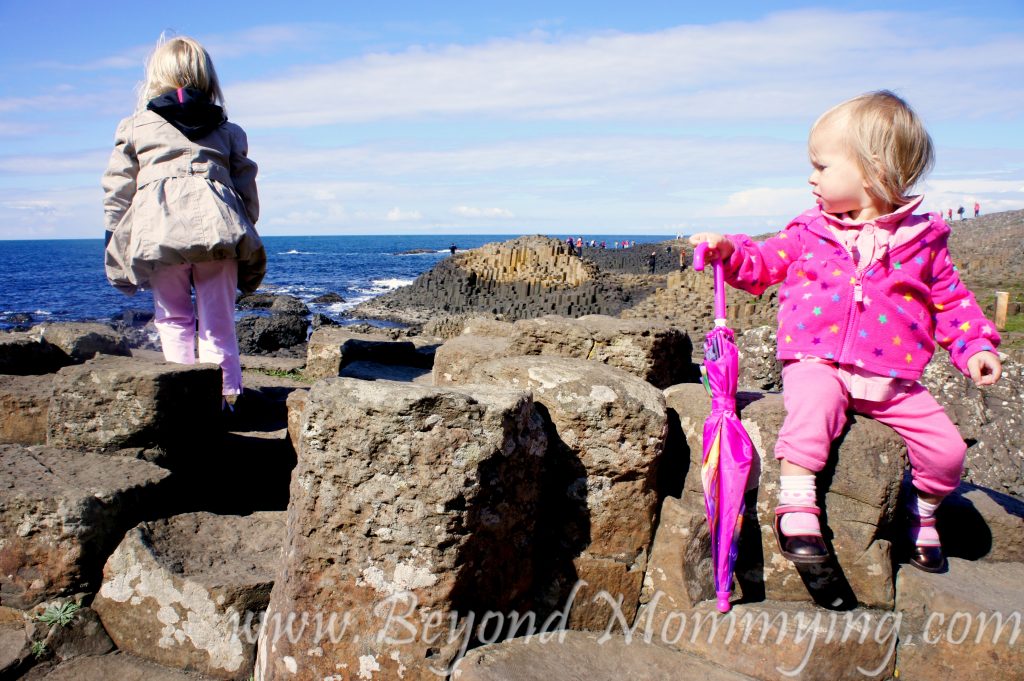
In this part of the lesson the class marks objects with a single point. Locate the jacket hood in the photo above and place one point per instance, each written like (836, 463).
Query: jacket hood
(190, 111)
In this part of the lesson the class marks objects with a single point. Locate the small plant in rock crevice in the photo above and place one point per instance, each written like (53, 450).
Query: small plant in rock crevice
(39, 649)
(59, 613)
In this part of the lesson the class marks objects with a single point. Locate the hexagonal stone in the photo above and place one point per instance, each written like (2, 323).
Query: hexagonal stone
(84, 340)
(181, 591)
(159, 410)
(61, 513)
(403, 495)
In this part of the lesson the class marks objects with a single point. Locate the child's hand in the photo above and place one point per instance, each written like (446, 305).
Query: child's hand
(985, 368)
(719, 246)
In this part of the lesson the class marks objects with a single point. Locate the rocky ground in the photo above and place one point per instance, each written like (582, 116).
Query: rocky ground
(411, 503)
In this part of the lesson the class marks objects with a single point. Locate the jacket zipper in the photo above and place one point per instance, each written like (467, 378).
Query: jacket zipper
(858, 298)
(858, 294)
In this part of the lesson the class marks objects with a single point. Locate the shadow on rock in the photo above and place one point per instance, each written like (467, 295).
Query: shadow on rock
(563, 522)
(245, 466)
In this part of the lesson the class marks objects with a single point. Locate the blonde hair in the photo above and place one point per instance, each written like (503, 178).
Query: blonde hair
(179, 62)
(888, 140)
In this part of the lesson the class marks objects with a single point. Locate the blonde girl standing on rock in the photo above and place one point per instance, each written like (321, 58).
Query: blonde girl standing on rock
(181, 204)
(868, 287)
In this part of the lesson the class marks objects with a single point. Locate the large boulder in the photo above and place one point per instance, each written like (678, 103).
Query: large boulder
(411, 506)
(961, 625)
(84, 340)
(776, 641)
(860, 487)
(23, 353)
(455, 361)
(330, 349)
(129, 405)
(255, 301)
(188, 591)
(658, 353)
(259, 334)
(61, 514)
(24, 404)
(580, 655)
(289, 305)
(607, 436)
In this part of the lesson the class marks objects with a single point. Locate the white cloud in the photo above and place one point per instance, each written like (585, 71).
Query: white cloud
(471, 212)
(61, 100)
(974, 185)
(786, 66)
(55, 164)
(131, 58)
(993, 194)
(246, 42)
(266, 40)
(62, 212)
(396, 214)
(761, 202)
(670, 158)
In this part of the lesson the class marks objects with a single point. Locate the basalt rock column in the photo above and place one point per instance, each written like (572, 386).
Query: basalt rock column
(412, 509)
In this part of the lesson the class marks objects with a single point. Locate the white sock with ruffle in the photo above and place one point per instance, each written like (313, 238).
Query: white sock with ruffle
(799, 490)
(922, 522)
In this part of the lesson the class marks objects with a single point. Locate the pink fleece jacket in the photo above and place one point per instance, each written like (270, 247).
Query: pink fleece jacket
(884, 319)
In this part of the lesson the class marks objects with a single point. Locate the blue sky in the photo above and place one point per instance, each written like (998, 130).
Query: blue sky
(528, 117)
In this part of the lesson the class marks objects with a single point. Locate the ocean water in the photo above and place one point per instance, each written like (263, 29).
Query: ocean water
(63, 280)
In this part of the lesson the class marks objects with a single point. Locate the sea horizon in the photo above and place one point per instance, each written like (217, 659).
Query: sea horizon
(48, 280)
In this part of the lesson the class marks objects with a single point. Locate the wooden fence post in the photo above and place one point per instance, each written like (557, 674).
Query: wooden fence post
(1002, 300)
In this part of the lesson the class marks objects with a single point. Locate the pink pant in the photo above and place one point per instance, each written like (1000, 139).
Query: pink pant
(215, 283)
(816, 404)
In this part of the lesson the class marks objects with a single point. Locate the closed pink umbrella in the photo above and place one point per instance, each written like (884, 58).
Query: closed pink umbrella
(728, 452)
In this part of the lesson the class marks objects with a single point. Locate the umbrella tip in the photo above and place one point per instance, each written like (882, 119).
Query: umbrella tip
(723, 604)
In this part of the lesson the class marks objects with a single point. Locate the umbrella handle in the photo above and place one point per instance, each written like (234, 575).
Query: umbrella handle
(699, 255)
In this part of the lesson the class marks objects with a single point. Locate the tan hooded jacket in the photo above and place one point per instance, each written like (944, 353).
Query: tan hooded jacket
(169, 200)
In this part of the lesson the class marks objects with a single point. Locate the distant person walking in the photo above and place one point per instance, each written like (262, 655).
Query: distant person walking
(652, 261)
(949, 214)
(960, 212)
(682, 258)
(977, 209)
(181, 204)
(453, 248)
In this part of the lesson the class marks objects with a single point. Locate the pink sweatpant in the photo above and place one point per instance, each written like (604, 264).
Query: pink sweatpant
(215, 283)
(816, 404)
